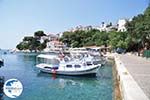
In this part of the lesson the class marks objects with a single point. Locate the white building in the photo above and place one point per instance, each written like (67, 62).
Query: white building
(53, 43)
(106, 27)
(121, 25)
(49, 37)
(43, 38)
(60, 34)
(102, 27)
(80, 27)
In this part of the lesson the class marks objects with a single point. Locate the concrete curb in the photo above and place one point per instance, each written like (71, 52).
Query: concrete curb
(130, 90)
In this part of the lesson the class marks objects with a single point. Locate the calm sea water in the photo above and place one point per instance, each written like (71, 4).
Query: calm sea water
(42, 86)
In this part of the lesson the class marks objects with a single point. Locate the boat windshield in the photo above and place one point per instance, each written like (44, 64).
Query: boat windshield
(48, 61)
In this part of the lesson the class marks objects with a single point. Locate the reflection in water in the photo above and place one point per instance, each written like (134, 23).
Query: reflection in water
(27, 57)
(43, 74)
(1, 87)
(65, 81)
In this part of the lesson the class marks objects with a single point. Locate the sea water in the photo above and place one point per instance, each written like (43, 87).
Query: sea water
(43, 86)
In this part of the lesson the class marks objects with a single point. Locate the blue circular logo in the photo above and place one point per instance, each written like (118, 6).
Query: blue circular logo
(13, 88)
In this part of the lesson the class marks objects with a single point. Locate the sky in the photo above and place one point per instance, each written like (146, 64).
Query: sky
(19, 18)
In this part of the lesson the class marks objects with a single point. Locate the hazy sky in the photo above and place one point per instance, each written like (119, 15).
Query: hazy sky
(19, 18)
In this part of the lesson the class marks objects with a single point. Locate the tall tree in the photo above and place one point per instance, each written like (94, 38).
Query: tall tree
(139, 29)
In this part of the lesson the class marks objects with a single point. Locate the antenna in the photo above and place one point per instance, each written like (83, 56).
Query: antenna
(149, 3)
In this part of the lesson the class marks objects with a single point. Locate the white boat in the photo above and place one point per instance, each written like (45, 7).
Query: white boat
(66, 65)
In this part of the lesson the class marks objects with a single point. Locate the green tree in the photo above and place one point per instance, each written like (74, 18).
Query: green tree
(119, 40)
(23, 46)
(39, 34)
(32, 43)
(139, 29)
(28, 38)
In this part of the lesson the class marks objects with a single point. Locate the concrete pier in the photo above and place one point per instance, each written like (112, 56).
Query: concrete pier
(139, 69)
(133, 74)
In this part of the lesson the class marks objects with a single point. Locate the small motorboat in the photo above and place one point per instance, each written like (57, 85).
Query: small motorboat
(55, 64)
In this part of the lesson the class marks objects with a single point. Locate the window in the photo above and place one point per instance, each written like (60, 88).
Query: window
(47, 67)
(77, 66)
(68, 66)
(88, 63)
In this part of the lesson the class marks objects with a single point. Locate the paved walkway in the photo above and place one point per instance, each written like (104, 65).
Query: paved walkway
(139, 68)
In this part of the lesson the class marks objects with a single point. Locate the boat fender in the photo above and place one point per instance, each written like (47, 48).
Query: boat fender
(54, 71)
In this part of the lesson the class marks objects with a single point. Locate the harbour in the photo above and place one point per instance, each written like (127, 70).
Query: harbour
(75, 50)
(41, 86)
